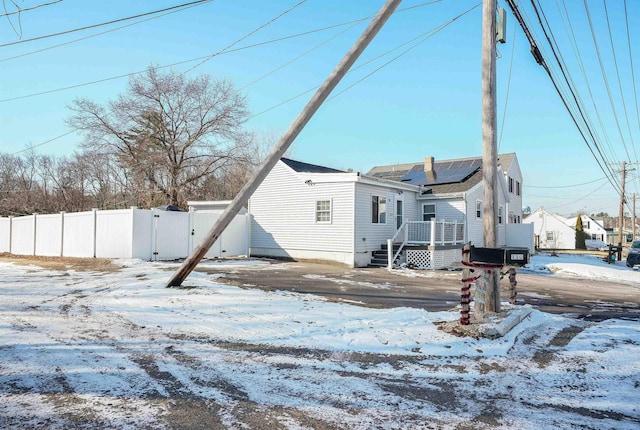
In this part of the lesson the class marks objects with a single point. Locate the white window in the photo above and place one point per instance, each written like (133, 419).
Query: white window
(378, 210)
(428, 212)
(500, 212)
(323, 211)
(517, 188)
(550, 235)
(478, 209)
(510, 184)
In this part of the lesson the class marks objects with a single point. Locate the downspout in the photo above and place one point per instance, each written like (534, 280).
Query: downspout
(353, 221)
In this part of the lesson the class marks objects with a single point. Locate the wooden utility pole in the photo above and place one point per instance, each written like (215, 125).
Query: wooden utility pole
(285, 141)
(621, 212)
(633, 216)
(489, 145)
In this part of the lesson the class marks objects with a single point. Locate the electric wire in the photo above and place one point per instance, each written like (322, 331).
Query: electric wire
(251, 33)
(506, 97)
(97, 34)
(43, 143)
(424, 36)
(102, 24)
(568, 186)
(606, 80)
(541, 60)
(179, 63)
(578, 55)
(615, 62)
(633, 77)
(26, 9)
(585, 197)
(424, 39)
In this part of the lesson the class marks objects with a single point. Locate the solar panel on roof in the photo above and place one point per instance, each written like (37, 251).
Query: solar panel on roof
(448, 176)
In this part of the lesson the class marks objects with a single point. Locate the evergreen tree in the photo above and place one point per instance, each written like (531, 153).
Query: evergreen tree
(580, 234)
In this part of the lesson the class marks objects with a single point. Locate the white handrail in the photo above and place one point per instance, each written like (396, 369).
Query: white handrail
(430, 233)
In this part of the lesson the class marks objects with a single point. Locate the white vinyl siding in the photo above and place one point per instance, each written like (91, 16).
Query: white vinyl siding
(369, 236)
(284, 217)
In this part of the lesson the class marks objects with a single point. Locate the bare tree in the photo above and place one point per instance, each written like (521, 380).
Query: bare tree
(168, 132)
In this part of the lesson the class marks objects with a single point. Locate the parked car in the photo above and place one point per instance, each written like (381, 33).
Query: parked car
(633, 256)
(596, 245)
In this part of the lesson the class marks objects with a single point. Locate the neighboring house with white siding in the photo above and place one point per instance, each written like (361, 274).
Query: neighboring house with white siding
(305, 211)
(591, 227)
(552, 231)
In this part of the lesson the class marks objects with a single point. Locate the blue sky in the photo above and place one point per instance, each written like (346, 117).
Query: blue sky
(427, 102)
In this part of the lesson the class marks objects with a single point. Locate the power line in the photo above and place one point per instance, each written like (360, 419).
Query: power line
(43, 143)
(535, 51)
(26, 9)
(568, 186)
(615, 62)
(633, 77)
(251, 33)
(604, 75)
(424, 36)
(179, 63)
(506, 97)
(103, 23)
(96, 34)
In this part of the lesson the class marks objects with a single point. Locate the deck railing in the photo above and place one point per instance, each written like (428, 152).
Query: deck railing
(425, 233)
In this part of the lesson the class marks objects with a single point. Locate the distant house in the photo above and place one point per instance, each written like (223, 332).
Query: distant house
(591, 227)
(552, 231)
(427, 210)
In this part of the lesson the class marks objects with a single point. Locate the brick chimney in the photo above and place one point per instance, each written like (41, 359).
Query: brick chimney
(429, 164)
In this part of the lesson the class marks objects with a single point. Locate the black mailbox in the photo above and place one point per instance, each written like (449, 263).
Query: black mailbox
(516, 256)
(493, 256)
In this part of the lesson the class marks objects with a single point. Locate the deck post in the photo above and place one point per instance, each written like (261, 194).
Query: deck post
(432, 239)
(389, 254)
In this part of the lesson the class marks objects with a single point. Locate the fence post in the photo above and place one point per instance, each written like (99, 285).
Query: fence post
(62, 233)
(455, 231)
(10, 233)
(95, 230)
(35, 232)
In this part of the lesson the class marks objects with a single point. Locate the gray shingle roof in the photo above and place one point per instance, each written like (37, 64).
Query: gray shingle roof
(301, 167)
(397, 171)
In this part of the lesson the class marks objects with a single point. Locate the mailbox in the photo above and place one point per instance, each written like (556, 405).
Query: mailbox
(516, 256)
(493, 256)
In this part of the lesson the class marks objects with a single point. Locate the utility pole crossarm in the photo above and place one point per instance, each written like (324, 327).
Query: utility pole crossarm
(285, 141)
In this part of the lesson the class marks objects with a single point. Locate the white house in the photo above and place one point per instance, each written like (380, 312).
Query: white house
(305, 211)
(552, 231)
(591, 227)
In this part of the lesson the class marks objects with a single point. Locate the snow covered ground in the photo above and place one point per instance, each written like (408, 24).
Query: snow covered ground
(118, 350)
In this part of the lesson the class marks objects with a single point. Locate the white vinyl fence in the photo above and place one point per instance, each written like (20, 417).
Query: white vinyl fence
(148, 234)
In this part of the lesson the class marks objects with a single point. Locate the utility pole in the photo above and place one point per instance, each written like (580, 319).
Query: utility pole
(623, 182)
(621, 212)
(285, 141)
(633, 217)
(489, 147)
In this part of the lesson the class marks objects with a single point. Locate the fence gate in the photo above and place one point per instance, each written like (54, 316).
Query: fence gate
(234, 240)
(168, 239)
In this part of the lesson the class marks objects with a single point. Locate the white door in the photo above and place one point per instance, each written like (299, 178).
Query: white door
(399, 213)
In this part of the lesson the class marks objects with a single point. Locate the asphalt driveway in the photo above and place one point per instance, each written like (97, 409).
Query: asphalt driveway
(433, 290)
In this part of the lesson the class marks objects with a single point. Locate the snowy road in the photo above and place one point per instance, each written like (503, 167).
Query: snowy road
(117, 350)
